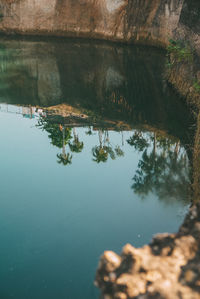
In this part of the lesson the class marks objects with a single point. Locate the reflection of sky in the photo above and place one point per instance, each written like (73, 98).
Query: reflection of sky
(25, 111)
(55, 221)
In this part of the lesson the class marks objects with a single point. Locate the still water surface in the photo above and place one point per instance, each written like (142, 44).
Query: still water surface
(70, 189)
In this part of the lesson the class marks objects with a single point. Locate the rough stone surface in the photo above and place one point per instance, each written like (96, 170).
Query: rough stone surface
(167, 268)
(144, 21)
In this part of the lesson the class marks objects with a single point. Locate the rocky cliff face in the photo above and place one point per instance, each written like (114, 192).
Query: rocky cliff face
(167, 268)
(145, 21)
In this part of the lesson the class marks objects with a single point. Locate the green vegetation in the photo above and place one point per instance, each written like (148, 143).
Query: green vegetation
(196, 86)
(179, 51)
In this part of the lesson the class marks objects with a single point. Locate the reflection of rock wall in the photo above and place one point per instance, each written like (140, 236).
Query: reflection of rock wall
(113, 81)
(153, 21)
(29, 75)
(49, 89)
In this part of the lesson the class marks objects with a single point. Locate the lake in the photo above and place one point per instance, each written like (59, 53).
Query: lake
(95, 153)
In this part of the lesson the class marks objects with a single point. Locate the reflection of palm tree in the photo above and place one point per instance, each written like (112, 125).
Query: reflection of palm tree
(57, 133)
(64, 159)
(76, 146)
(99, 154)
(59, 136)
(119, 152)
(89, 132)
(122, 138)
(110, 152)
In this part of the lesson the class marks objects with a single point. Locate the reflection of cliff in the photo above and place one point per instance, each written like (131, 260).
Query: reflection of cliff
(28, 75)
(120, 83)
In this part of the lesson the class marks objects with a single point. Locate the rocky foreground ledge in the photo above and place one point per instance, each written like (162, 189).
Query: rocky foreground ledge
(167, 268)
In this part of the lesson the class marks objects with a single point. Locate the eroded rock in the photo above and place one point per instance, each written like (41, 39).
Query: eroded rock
(167, 268)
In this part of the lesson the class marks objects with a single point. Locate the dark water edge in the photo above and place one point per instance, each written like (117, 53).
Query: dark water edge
(59, 217)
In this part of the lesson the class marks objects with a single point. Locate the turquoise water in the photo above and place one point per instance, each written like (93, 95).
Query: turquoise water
(119, 185)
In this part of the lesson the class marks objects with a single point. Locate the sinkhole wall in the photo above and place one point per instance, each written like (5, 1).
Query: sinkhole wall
(144, 21)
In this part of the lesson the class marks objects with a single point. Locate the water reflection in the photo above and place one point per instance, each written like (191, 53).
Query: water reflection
(163, 166)
(90, 130)
(111, 81)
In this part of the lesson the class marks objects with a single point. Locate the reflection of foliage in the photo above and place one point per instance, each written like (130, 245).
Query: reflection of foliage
(162, 142)
(89, 132)
(110, 152)
(55, 132)
(60, 137)
(76, 146)
(150, 168)
(138, 141)
(166, 176)
(174, 183)
(163, 171)
(64, 159)
(119, 152)
(105, 150)
(100, 154)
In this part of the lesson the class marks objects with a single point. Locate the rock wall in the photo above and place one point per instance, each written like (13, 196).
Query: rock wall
(167, 268)
(144, 21)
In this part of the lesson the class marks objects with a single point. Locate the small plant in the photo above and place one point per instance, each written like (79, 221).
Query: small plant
(196, 86)
(179, 51)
